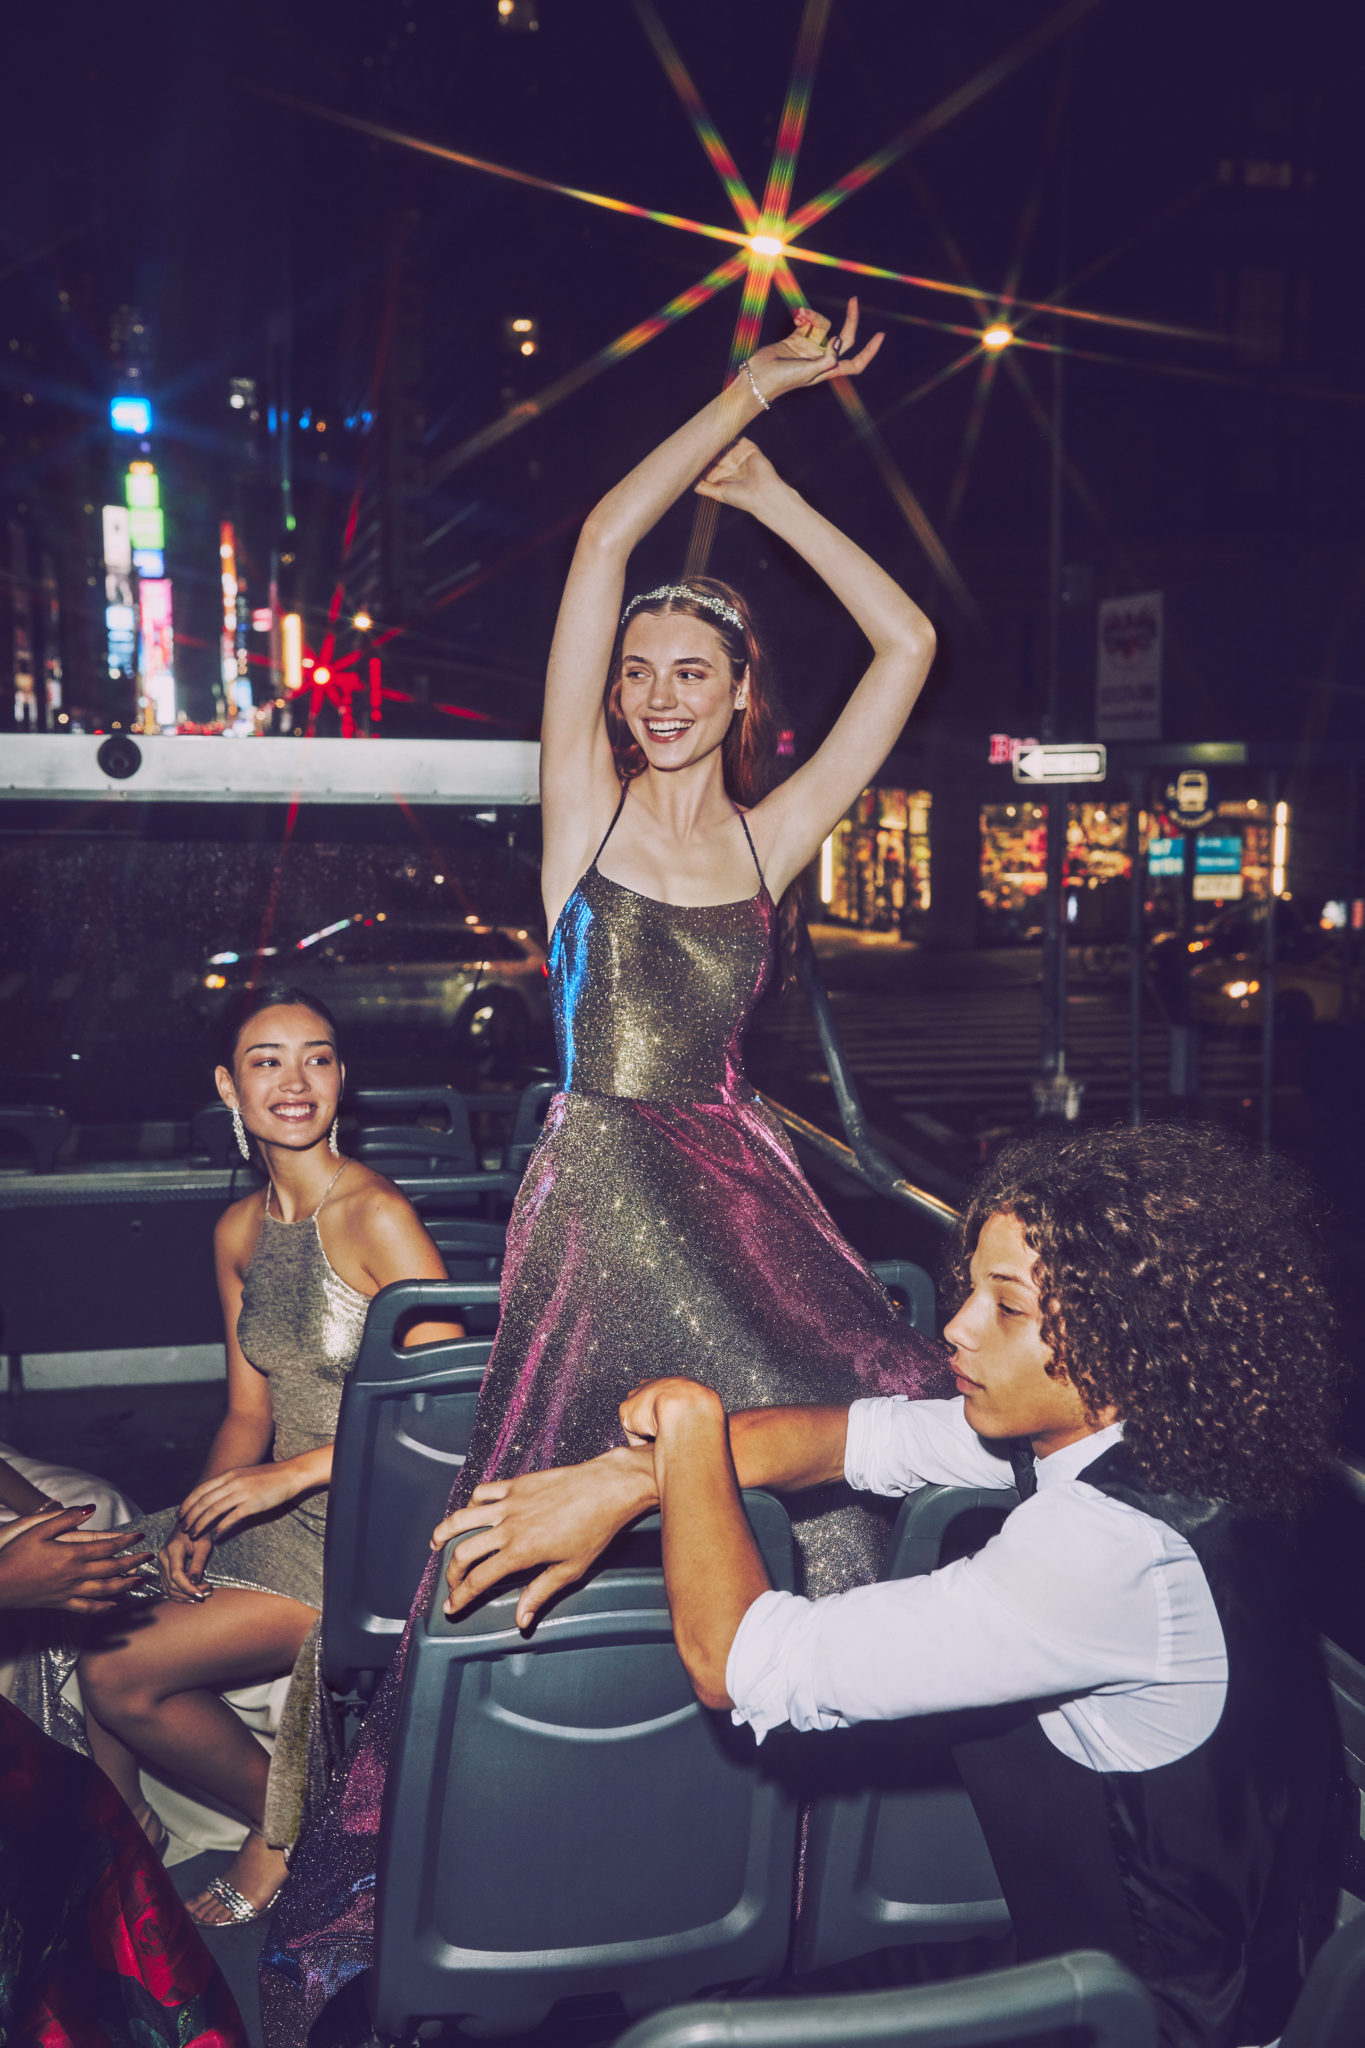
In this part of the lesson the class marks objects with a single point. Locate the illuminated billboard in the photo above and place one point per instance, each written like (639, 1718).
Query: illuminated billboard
(142, 487)
(130, 415)
(118, 558)
(149, 562)
(158, 650)
(147, 529)
(227, 556)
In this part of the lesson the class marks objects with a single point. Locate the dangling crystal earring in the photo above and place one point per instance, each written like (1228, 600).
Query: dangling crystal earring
(240, 1129)
(332, 1144)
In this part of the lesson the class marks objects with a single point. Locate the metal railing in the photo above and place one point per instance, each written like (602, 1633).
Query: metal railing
(861, 1156)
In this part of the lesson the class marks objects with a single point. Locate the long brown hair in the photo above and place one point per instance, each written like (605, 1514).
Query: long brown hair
(748, 753)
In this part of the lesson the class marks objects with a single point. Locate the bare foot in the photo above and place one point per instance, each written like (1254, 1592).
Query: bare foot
(257, 1871)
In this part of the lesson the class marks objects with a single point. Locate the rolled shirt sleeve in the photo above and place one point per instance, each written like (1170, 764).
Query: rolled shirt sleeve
(1063, 1601)
(896, 1445)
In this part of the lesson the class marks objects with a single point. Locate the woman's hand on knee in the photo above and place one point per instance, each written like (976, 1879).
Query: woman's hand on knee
(182, 1563)
(219, 1503)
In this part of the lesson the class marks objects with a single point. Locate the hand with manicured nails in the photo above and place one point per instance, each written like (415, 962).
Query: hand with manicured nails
(220, 1503)
(47, 1560)
(181, 1564)
(807, 355)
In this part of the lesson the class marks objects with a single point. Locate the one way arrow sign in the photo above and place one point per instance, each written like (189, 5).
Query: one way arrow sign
(1074, 763)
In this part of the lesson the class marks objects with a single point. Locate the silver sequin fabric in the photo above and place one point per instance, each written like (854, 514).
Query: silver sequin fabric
(300, 1325)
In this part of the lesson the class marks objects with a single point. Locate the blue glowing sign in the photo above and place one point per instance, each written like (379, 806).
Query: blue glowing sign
(149, 561)
(130, 415)
(1218, 856)
(1166, 857)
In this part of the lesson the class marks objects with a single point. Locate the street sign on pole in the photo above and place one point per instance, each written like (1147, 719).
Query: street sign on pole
(1078, 762)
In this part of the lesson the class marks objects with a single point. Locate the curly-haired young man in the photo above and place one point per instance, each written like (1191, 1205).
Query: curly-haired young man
(1143, 1338)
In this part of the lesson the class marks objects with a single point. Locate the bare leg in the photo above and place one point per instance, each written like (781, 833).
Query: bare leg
(154, 1685)
(120, 1766)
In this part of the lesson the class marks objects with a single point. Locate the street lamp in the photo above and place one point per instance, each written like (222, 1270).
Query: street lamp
(362, 622)
(997, 336)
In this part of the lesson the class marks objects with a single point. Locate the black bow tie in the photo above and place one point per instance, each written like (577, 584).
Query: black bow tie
(1025, 1470)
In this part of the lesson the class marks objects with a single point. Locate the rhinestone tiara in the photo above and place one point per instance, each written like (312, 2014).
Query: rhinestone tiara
(667, 591)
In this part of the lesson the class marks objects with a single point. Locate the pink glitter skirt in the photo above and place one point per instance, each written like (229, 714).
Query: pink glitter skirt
(647, 1238)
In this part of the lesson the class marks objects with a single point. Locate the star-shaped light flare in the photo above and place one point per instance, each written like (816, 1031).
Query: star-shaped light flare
(764, 244)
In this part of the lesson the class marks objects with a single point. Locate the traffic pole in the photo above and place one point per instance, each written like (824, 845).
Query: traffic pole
(1138, 890)
(1054, 1095)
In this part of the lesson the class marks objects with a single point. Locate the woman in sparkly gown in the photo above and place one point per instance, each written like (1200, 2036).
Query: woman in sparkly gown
(663, 1224)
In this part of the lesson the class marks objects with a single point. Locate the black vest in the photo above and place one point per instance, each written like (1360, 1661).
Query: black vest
(1195, 1874)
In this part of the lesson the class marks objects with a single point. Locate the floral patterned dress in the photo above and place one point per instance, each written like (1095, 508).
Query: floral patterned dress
(95, 1947)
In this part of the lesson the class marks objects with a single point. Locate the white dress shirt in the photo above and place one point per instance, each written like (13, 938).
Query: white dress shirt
(1081, 1601)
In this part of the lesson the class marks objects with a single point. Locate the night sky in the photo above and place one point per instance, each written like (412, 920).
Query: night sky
(167, 160)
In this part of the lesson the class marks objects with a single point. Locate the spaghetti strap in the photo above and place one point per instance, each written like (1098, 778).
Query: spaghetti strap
(332, 1183)
(312, 1214)
(762, 883)
(612, 827)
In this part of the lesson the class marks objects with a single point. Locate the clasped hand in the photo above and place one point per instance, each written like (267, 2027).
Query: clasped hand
(556, 1524)
(743, 476)
(206, 1515)
(811, 355)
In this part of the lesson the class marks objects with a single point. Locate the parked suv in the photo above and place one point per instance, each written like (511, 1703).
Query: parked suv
(483, 988)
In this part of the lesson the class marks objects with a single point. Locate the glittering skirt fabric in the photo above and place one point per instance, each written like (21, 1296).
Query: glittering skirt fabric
(648, 1238)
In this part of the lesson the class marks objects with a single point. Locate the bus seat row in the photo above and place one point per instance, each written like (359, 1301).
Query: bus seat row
(1085, 1997)
(403, 1431)
(394, 1142)
(565, 1822)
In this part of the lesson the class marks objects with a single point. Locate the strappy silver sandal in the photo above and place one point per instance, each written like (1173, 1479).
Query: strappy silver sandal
(240, 1910)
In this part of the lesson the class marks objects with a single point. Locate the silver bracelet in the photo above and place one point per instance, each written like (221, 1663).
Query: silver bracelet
(753, 386)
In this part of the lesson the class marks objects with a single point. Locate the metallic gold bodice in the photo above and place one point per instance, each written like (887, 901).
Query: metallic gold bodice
(301, 1325)
(651, 999)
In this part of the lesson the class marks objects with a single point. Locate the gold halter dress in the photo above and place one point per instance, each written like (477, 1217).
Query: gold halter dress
(300, 1324)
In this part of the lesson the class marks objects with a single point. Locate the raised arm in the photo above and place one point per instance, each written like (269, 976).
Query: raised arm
(579, 789)
(790, 823)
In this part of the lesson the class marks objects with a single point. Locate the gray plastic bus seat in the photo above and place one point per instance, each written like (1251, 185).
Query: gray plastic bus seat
(895, 1853)
(402, 1435)
(916, 1287)
(1347, 1679)
(211, 1128)
(564, 1820)
(472, 1248)
(1084, 1998)
(409, 1103)
(1330, 2010)
(405, 1151)
(535, 1099)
